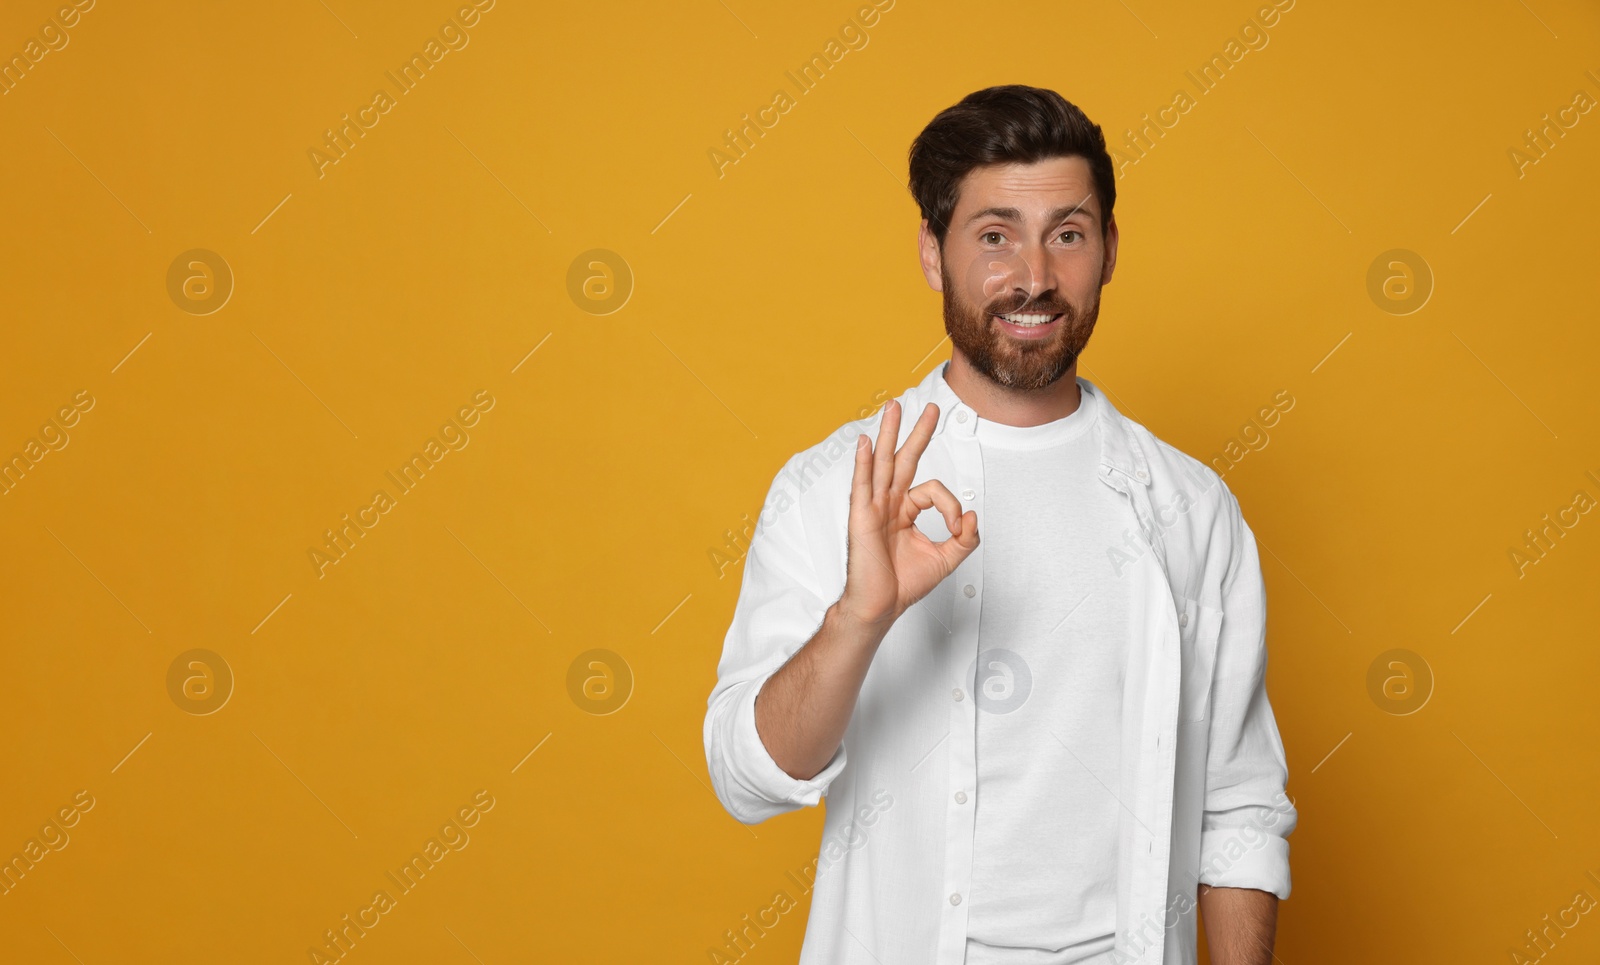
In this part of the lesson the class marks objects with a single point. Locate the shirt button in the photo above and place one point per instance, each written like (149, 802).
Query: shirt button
(969, 590)
(955, 899)
(1140, 474)
(961, 416)
(1183, 621)
(967, 494)
(961, 797)
(957, 694)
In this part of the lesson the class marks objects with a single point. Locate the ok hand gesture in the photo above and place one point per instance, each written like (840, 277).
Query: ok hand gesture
(891, 564)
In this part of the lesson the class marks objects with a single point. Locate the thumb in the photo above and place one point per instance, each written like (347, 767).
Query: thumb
(961, 543)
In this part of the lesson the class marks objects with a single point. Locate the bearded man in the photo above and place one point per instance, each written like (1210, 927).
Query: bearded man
(1052, 745)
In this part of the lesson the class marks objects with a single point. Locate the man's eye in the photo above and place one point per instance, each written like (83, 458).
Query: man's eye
(997, 236)
(1070, 231)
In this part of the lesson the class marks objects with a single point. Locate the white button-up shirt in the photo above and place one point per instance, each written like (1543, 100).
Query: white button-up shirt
(1201, 788)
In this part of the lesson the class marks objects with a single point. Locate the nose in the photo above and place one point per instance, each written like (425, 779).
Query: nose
(1019, 276)
(1034, 272)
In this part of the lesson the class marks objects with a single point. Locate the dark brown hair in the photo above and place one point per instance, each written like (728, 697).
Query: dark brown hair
(996, 125)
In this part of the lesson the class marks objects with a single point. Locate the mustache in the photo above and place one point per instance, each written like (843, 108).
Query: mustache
(1049, 306)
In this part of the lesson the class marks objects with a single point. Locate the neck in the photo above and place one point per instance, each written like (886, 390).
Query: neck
(1009, 406)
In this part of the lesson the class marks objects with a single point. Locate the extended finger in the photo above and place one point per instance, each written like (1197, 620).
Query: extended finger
(905, 461)
(883, 455)
(861, 479)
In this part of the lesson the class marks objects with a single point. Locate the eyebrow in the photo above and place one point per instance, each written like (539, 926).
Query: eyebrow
(1012, 214)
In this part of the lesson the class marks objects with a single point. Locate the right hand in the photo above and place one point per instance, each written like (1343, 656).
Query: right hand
(891, 564)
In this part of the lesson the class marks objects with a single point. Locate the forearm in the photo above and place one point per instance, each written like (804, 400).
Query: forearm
(803, 709)
(1240, 924)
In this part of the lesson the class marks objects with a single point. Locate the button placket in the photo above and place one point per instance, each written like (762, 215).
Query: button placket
(961, 773)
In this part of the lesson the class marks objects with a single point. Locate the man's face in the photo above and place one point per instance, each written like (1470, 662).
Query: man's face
(1021, 269)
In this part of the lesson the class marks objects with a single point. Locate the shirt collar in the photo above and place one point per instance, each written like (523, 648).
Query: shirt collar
(1120, 450)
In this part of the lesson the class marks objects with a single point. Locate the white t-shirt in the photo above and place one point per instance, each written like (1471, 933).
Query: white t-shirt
(1053, 642)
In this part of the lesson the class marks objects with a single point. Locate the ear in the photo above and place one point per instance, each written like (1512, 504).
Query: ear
(1111, 251)
(930, 256)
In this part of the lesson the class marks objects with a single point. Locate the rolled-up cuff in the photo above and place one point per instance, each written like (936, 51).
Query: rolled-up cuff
(753, 768)
(1246, 857)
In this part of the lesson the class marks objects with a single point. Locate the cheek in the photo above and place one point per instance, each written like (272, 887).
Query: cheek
(1080, 270)
(977, 275)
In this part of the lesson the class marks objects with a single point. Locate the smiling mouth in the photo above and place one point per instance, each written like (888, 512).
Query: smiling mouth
(1028, 319)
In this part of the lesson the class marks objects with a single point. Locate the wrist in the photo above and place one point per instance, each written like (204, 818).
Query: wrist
(857, 625)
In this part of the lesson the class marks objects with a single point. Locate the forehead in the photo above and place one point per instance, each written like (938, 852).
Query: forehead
(1034, 189)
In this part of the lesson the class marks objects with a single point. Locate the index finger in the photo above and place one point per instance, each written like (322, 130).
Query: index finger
(905, 461)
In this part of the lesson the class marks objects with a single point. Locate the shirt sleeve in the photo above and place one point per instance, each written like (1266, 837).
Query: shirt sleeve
(1247, 814)
(780, 607)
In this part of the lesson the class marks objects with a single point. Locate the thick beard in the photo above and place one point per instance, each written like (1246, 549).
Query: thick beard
(1017, 365)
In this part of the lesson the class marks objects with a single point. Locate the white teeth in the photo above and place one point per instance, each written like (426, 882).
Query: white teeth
(1027, 319)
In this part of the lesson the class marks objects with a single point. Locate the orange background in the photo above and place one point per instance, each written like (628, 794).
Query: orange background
(769, 305)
